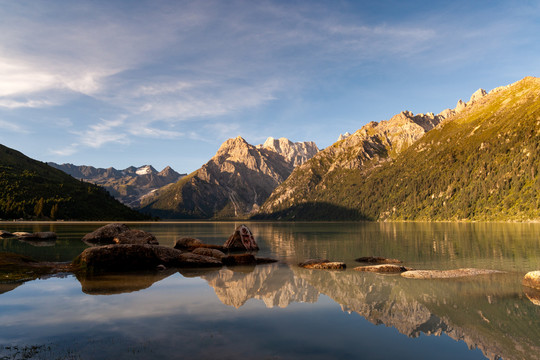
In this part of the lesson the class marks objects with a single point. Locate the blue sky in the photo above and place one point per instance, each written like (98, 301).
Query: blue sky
(120, 83)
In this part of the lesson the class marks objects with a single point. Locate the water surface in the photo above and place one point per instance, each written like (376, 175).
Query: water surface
(281, 311)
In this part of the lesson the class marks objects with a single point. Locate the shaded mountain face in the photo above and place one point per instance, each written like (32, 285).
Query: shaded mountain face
(234, 183)
(130, 185)
(477, 161)
(30, 189)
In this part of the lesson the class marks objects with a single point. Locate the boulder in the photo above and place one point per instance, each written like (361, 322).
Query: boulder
(5, 234)
(127, 257)
(378, 260)
(187, 243)
(383, 268)
(105, 234)
(135, 237)
(322, 264)
(209, 252)
(447, 274)
(532, 279)
(241, 239)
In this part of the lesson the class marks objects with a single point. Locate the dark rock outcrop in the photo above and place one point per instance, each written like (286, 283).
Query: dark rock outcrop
(187, 243)
(239, 259)
(136, 237)
(215, 253)
(126, 257)
(322, 264)
(241, 239)
(105, 234)
(41, 236)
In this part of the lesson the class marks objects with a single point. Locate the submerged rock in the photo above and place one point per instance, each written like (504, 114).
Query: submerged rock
(378, 260)
(5, 234)
(105, 234)
(136, 237)
(20, 268)
(447, 274)
(383, 268)
(45, 235)
(241, 239)
(322, 264)
(532, 279)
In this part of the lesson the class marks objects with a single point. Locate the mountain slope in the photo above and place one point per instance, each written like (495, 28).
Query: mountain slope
(31, 189)
(234, 183)
(128, 186)
(480, 163)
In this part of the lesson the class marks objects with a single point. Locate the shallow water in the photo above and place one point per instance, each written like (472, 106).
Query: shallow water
(280, 311)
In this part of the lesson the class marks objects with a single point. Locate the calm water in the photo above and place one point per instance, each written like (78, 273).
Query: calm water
(281, 311)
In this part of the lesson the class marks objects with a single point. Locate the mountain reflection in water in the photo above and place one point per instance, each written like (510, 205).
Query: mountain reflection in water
(490, 313)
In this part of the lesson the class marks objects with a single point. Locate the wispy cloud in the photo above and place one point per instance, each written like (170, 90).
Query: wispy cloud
(104, 132)
(11, 127)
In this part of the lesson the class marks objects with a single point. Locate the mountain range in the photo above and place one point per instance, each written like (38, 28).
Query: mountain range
(30, 189)
(479, 161)
(234, 183)
(128, 186)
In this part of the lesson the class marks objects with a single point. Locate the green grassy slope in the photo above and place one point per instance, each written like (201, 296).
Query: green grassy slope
(481, 164)
(30, 189)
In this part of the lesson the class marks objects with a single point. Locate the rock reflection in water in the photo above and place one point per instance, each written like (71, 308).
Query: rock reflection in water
(112, 284)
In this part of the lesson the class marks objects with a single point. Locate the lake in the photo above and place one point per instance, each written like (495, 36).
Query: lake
(281, 311)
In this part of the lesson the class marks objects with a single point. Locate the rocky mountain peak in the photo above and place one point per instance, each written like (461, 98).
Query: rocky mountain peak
(343, 136)
(478, 94)
(145, 170)
(296, 153)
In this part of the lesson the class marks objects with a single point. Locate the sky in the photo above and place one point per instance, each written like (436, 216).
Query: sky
(130, 83)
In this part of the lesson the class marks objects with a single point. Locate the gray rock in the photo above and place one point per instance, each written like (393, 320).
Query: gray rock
(322, 264)
(105, 234)
(136, 237)
(447, 274)
(383, 268)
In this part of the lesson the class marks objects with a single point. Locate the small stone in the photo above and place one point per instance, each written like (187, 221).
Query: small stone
(322, 264)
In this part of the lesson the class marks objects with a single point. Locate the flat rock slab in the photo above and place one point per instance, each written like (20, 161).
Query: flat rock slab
(209, 252)
(532, 279)
(378, 260)
(383, 268)
(40, 236)
(322, 264)
(447, 274)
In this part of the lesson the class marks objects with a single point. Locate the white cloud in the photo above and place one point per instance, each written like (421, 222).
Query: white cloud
(104, 132)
